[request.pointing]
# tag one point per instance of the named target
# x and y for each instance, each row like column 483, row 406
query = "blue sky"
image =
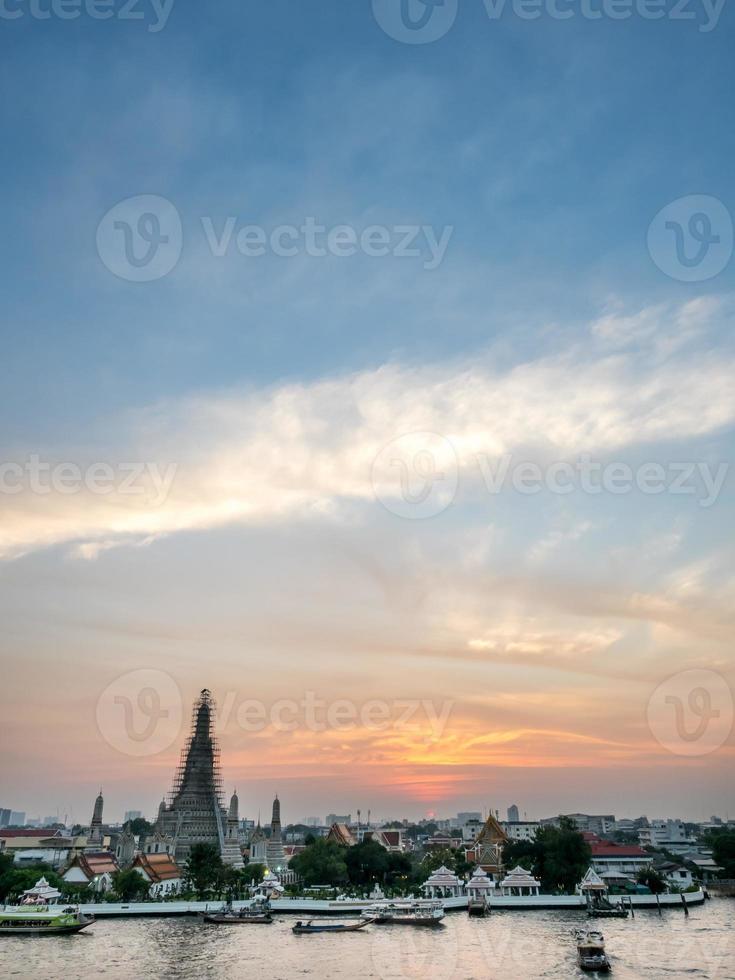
column 548, row 147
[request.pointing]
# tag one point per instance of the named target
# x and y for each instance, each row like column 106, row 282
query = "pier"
column 304, row 906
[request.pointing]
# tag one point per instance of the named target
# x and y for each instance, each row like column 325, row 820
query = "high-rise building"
column 194, row 814
column 5, row 818
column 513, row 813
column 17, row 818
column 337, row 818
column 132, row 815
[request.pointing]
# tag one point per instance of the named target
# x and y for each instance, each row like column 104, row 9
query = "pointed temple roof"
column 480, row 881
column 158, row 867
column 442, row 877
column 341, row 834
column 592, row 882
column 519, row 878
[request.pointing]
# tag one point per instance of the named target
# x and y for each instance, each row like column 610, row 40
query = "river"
column 526, row 945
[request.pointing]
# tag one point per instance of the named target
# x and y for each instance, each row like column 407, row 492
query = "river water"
column 526, row 945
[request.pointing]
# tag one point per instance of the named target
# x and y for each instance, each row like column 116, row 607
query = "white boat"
column 415, row 912
column 591, row 953
column 42, row 920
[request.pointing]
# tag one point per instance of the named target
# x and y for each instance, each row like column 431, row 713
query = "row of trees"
column 323, row 862
column 205, row 876
column 558, row 857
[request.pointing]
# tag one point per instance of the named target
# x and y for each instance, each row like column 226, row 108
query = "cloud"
column 307, row 450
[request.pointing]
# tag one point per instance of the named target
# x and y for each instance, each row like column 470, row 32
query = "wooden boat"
column 614, row 913
column 591, row 953
column 43, row 921
column 306, row 928
column 259, row 913
column 236, row 918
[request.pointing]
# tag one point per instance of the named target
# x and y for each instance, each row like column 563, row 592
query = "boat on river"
column 601, row 908
column 415, row 913
column 591, row 953
column 306, row 928
column 43, row 920
column 259, row 913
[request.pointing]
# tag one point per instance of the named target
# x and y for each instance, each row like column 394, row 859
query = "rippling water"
column 505, row 945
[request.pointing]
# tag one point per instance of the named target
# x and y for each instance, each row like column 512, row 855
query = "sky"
column 377, row 375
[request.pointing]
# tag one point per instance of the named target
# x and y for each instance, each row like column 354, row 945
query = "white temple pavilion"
column 443, row 883
column 41, row 892
column 270, row 886
column 480, row 886
column 591, row 882
column 520, row 882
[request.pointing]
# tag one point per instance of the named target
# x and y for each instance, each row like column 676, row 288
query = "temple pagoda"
column 194, row 814
column 487, row 849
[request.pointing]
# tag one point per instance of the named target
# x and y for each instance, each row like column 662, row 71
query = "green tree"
column 140, row 826
column 558, row 856
column 528, row 854
column 435, row 859
column 229, row 882
column 652, row 879
column 366, row 862
column 400, row 869
column 203, row 869
column 566, row 856
column 129, row 885
column 723, row 851
column 253, row 873
column 321, row 863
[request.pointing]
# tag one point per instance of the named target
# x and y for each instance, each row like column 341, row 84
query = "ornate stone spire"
column 276, row 857
column 95, row 828
column 276, row 819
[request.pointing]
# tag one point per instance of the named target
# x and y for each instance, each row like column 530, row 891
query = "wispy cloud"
column 304, row 450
